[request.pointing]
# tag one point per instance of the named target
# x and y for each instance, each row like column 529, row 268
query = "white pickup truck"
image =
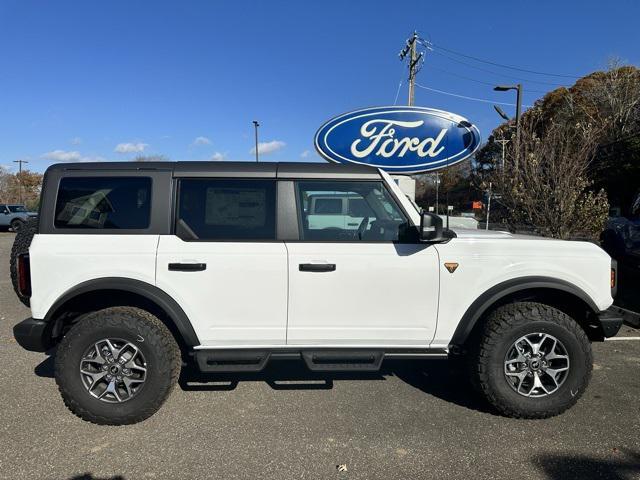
column 133, row 270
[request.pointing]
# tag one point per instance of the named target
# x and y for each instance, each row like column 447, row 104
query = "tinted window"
column 372, row 213
column 17, row 208
column 103, row 203
column 216, row 209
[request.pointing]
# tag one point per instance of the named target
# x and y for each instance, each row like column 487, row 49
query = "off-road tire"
column 134, row 325
column 17, row 224
column 502, row 328
column 21, row 244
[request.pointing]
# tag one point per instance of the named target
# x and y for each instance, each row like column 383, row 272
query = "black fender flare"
column 501, row 290
column 152, row 293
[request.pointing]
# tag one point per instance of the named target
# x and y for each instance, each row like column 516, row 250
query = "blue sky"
column 108, row 80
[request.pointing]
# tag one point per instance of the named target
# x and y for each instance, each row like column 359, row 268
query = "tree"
column 22, row 187
column 588, row 135
column 549, row 187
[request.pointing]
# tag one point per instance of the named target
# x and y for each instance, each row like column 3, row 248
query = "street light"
column 501, row 112
column 518, row 89
column 255, row 126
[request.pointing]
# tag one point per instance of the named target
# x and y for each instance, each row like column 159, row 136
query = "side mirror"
column 431, row 228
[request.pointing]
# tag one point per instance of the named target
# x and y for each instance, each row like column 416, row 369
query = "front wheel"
column 533, row 361
column 117, row 366
column 16, row 225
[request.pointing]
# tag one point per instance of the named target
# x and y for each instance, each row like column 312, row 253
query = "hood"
column 493, row 234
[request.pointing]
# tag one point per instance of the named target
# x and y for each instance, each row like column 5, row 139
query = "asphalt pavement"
column 413, row 420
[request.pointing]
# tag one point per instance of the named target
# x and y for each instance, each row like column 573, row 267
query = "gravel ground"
column 410, row 421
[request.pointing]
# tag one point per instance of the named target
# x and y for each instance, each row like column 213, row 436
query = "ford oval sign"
column 398, row 139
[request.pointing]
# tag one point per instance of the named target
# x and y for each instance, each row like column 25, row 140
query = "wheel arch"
column 554, row 292
column 107, row 292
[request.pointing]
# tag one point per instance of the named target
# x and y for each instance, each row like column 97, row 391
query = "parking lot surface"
column 412, row 420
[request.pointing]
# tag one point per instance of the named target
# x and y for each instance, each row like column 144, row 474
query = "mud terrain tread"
column 155, row 333
column 499, row 323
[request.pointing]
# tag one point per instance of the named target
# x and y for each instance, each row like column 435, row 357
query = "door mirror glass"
column 431, row 228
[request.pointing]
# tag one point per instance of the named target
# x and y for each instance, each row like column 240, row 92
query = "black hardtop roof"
column 229, row 169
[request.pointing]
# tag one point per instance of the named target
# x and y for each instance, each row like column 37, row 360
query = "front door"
column 224, row 266
column 369, row 284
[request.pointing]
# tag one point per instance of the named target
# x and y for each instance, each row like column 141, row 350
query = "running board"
column 320, row 360
column 231, row 360
column 343, row 360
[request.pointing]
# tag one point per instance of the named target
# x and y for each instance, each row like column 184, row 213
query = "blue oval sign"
column 398, row 139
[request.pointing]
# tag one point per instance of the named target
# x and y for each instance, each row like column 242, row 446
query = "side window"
column 371, row 214
column 103, row 203
column 227, row 209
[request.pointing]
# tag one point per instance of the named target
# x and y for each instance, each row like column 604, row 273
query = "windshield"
column 17, row 208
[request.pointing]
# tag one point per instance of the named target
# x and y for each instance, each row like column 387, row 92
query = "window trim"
column 380, row 181
column 176, row 209
column 160, row 198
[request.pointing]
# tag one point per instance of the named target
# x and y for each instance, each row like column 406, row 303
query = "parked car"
column 621, row 239
column 14, row 215
column 132, row 272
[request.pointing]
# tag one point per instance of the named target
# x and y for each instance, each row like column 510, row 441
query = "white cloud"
column 218, row 157
column 62, row 156
column 76, row 141
column 200, row 141
column 72, row 156
column 131, row 147
column 264, row 148
column 305, row 154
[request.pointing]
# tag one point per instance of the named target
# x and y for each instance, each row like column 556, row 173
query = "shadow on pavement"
column 441, row 379
column 88, row 476
column 445, row 380
column 561, row 467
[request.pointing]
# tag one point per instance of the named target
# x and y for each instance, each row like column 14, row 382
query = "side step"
column 343, row 360
column 232, row 360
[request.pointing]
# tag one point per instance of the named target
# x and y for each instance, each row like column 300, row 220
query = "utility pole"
column 410, row 49
column 518, row 89
column 503, row 142
column 437, row 192
column 518, row 108
column 20, row 162
column 256, row 125
column 488, row 208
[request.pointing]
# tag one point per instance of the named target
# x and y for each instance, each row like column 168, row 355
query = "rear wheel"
column 532, row 361
column 117, row 366
column 16, row 224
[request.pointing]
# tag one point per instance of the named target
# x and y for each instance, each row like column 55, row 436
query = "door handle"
column 317, row 267
column 187, row 267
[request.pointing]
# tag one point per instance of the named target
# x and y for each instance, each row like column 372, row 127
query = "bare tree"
column 5, row 182
column 549, row 189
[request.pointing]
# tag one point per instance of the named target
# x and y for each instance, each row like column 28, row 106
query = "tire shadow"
column 625, row 465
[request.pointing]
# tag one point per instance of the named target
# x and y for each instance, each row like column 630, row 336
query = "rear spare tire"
column 21, row 244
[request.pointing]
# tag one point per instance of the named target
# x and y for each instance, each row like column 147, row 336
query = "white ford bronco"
column 133, row 270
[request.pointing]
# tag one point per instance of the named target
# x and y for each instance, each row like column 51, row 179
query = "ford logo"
column 398, row 139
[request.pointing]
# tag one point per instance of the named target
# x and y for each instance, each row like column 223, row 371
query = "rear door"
column 224, row 265
column 372, row 285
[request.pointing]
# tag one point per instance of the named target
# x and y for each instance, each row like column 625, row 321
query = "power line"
column 475, row 99
column 502, row 65
column 497, row 73
column 479, row 81
column 397, row 92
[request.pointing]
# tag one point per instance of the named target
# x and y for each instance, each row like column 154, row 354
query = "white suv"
column 135, row 269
